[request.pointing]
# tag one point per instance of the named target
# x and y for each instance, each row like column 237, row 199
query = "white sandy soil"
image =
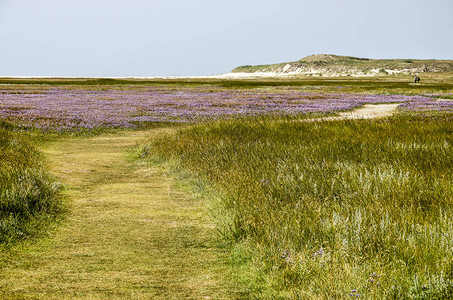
column 369, row 111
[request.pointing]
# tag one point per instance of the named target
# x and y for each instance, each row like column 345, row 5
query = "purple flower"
column 60, row 109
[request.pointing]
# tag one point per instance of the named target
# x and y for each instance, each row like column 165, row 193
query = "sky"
column 141, row 38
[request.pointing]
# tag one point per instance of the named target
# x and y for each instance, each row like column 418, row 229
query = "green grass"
column 130, row 233
column 431, row 83
column 319, row 209
column 307, row 209
column 29, row 196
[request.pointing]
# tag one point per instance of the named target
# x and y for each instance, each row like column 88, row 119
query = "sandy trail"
column 130, row 234
column 369, row 111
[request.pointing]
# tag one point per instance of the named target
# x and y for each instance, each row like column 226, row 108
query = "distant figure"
column 417, row 79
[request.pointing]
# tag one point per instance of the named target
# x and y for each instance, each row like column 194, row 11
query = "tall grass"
column 331, row 209
column 29, row 196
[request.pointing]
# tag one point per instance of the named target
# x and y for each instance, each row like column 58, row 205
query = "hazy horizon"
column 101, row 38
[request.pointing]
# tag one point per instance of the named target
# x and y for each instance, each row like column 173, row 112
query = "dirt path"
column 369, row 111
column 129, row 235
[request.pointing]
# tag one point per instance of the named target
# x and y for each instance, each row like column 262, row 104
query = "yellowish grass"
column 129, row 233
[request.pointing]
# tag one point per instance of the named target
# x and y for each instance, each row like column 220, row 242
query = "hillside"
column 335, row 65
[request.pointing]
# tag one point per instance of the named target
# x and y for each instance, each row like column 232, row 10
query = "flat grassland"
column 129, row 234
column 235, row 189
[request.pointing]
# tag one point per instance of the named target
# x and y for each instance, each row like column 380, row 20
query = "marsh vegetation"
column 322, row 206
column 29, row 196
column 303, row 208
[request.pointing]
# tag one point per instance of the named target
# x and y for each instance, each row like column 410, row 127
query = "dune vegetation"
column 337, row 65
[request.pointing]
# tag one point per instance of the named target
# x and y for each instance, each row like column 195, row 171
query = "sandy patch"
column 369, row 111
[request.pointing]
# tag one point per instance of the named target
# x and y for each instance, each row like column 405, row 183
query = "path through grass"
column 129, row 233
column 370, row 111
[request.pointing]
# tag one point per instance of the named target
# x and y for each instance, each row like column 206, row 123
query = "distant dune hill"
column 336, row 65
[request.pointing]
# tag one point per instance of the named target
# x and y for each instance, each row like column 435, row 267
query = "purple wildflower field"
column 60, row 109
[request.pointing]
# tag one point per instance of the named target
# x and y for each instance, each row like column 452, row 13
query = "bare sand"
column 369, row 111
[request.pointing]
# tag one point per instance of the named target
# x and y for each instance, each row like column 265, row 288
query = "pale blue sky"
column 203, row 37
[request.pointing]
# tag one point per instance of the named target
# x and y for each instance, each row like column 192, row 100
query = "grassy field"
column 267, row 203
column 129, row 233
column 328, row 209
column 396, row 84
